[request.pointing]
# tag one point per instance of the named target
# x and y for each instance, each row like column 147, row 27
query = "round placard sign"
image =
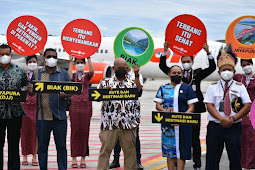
column 135, row 45
column 81, row 38
column 241, row 35
column 27, row 35
column 186, row 35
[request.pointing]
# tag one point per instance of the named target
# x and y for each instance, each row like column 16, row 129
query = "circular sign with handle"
column 241, row 35
column 27, row 35
column 135, row 45
column 81, row 38
column 186, row 35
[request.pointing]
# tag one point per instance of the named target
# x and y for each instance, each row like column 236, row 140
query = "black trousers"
column 13, row 136
column 117, row 148
column 196, row 146
column 216, row 137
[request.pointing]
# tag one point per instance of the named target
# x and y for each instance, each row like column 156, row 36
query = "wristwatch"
column 137, row 75
column 234, row 118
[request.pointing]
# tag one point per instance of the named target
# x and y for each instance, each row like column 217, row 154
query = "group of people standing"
column 120, row 119
column 227, row 102
column 44, row 112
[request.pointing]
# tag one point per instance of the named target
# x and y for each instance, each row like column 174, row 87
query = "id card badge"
column 194, row 87
column 221, row 108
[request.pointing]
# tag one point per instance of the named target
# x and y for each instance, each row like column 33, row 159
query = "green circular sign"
column 135, row 45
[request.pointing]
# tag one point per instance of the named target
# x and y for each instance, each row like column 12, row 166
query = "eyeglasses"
column 51, row 56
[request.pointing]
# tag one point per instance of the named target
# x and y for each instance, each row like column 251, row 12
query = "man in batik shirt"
column 119, row 119
column 12, row 78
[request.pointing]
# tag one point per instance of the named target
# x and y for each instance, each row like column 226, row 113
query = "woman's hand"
column 170, row 109
column 71, row 57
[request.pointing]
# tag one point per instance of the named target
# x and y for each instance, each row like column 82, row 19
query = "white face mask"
column 5, row 59
column 247, row 69
column 226, row 75
column 187, row 66
column 51, row 62
column 32, row 66
column 80, row 67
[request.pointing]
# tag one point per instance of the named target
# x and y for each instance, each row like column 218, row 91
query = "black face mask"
column 176, row 79
column 121, row 73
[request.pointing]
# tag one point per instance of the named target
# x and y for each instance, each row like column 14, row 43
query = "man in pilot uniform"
column 224, row 125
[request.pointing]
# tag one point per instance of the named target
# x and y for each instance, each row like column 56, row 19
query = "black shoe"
column 196, row 168
column 114, row 164
column 139, row 166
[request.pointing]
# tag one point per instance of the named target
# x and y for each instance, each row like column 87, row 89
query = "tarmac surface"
column 150, row 137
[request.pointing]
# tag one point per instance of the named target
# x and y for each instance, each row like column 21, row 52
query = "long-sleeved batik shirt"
column 12, row 79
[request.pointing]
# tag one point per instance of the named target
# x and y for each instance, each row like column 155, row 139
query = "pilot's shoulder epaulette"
column 238, row 83
column 216, row 82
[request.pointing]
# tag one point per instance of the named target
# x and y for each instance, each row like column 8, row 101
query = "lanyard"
column 225, row 91
column 191, row 78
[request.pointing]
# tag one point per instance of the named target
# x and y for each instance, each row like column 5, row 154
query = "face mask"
column 5, row 59
column 187, row 66
column 32, row 66
column 51, row 62
column 121, row 73
column 227, row 75
column 247, row 69
column 80, row 67
column 176, row 79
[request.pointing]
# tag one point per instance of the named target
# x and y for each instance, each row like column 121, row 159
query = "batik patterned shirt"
column 119, row 114
column 13, row 79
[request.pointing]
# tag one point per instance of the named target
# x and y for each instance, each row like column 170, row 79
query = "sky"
column 112, row 16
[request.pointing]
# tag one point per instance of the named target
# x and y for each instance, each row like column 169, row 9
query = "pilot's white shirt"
column 215, row 94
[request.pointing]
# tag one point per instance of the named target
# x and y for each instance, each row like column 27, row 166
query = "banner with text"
column 241, row 35
column 114, row 94
column 27, row 35
column 135, row 45
column 81, row 38
column 186, row 35
column 13, row 96
column 176, row 118
column 57, row 87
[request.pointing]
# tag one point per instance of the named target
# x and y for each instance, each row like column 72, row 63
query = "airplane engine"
column 101, row 71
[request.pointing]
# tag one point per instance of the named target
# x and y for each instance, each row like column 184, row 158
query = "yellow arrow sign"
column 39, row 86
column 96, row 95
column 158, row 117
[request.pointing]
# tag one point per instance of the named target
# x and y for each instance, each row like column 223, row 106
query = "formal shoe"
column 114, row 164
column 139, row 166
column 83, row 166
column 196, row 168
column 34, row 163
column 74, row 165
column 24, row 163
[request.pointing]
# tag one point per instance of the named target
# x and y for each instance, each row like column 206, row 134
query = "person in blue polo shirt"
column 176, row 96
column 51, row 111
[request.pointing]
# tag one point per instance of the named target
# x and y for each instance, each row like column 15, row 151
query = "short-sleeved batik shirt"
column 122, row 114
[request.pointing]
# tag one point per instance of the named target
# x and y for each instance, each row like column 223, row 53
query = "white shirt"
column 215, row 94
column 30, row 74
